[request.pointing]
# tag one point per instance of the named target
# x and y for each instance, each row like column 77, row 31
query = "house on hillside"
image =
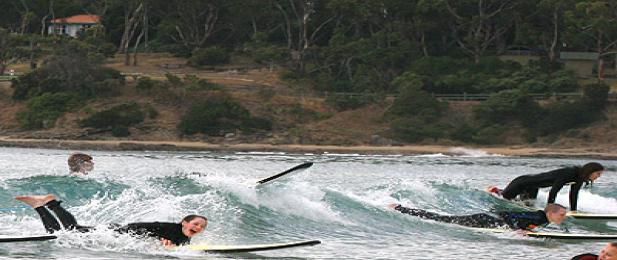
column 585, row 64
column 72, row 25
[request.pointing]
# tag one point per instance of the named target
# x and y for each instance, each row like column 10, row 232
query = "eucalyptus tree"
column 592, row 26
column 478, row 24
column 304, row 21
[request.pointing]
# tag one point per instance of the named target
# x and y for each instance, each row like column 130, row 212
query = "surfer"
column 609, row 252
column 526, row 186
column 527, row 220
column 169, row 233
column 80, row 163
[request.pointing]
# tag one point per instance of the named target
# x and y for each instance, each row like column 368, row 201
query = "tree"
column 595, row 20
column 191, row 23
column 9, row 50
column 301, row 27
column 478, row 24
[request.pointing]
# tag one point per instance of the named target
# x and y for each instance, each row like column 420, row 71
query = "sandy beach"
column 592, row 152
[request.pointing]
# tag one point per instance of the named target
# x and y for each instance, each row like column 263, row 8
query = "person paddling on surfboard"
column 609, row 252
column 526, row 186
column 527, row 220
column 169, row 233
column 80, row 163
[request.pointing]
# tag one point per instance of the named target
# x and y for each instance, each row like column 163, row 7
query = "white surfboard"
column 250, row 248
column 598, row 216
column 554, row 235
column 577, row 215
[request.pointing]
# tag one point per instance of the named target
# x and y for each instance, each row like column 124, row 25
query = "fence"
column 612, row 97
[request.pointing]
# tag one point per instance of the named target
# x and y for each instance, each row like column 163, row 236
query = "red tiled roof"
column 80, row 18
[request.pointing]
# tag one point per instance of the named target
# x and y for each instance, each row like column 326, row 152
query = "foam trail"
column 467, row 152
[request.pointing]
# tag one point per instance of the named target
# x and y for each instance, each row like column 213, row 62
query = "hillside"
column 300, row 117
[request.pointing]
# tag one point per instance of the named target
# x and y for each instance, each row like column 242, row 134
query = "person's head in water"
column 609, row 252
column 193, row 225
column 80, row 163
column 555, row 213
column 591, row 171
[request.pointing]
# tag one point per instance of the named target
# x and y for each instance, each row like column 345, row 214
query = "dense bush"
column 214, row 116
column 65, row 72
column 209, row 56
column 173, row 80
column 412, row 101
column 145, row 84
column 202, row 84
column 415, row 113
column 218, row 115
column 115, row 118
column 564, row 115
column 507, row 106
column 595, row 95
column 416, row 129
column 42, row 111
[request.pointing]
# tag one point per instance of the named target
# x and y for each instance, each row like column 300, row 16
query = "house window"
column 60, row 29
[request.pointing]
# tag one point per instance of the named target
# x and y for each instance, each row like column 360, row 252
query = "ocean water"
column 341, row 200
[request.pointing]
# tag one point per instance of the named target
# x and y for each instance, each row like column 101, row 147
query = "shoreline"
column 133, row 145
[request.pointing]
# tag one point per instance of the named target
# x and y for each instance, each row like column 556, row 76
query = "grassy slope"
column 318, row 124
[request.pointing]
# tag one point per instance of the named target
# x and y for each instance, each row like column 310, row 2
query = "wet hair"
column 589, row 168
column 76, row 159
column 553, row 208
column 613, row 244
column 192, row 216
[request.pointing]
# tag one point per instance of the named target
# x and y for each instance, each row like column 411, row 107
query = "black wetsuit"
column 527, row 185
column 515, row 220
column 170, row 231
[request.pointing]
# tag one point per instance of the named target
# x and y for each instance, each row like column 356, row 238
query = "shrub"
column 490, row 135
column 561, row 116
column 202, row 84
column 595, row 95
column 463, row 132
column 348, row 101
column 173, row 80
column 414, row 129
column 507, row 106
column 42, row 111
column 145, row 83
column 151, row 112
column 65, row 72
column 117, row 117
column 214, row 116
column 413, row 101
column 270, row 54
column 209, row 56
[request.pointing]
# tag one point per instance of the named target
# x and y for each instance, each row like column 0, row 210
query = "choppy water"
column 340, row 201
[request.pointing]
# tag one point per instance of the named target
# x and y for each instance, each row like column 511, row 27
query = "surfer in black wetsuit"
column 553, row 213
column 169, row 233
column 526, row 186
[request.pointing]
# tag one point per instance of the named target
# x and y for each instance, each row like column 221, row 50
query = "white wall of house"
column 66, row 29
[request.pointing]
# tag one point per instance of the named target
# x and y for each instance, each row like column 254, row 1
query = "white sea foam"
column 468, row 152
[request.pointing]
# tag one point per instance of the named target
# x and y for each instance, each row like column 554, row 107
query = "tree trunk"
column 141, row 34
column 131, row 20
column 552, row 54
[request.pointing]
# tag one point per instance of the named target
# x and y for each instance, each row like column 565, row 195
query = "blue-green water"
column 341, row 201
